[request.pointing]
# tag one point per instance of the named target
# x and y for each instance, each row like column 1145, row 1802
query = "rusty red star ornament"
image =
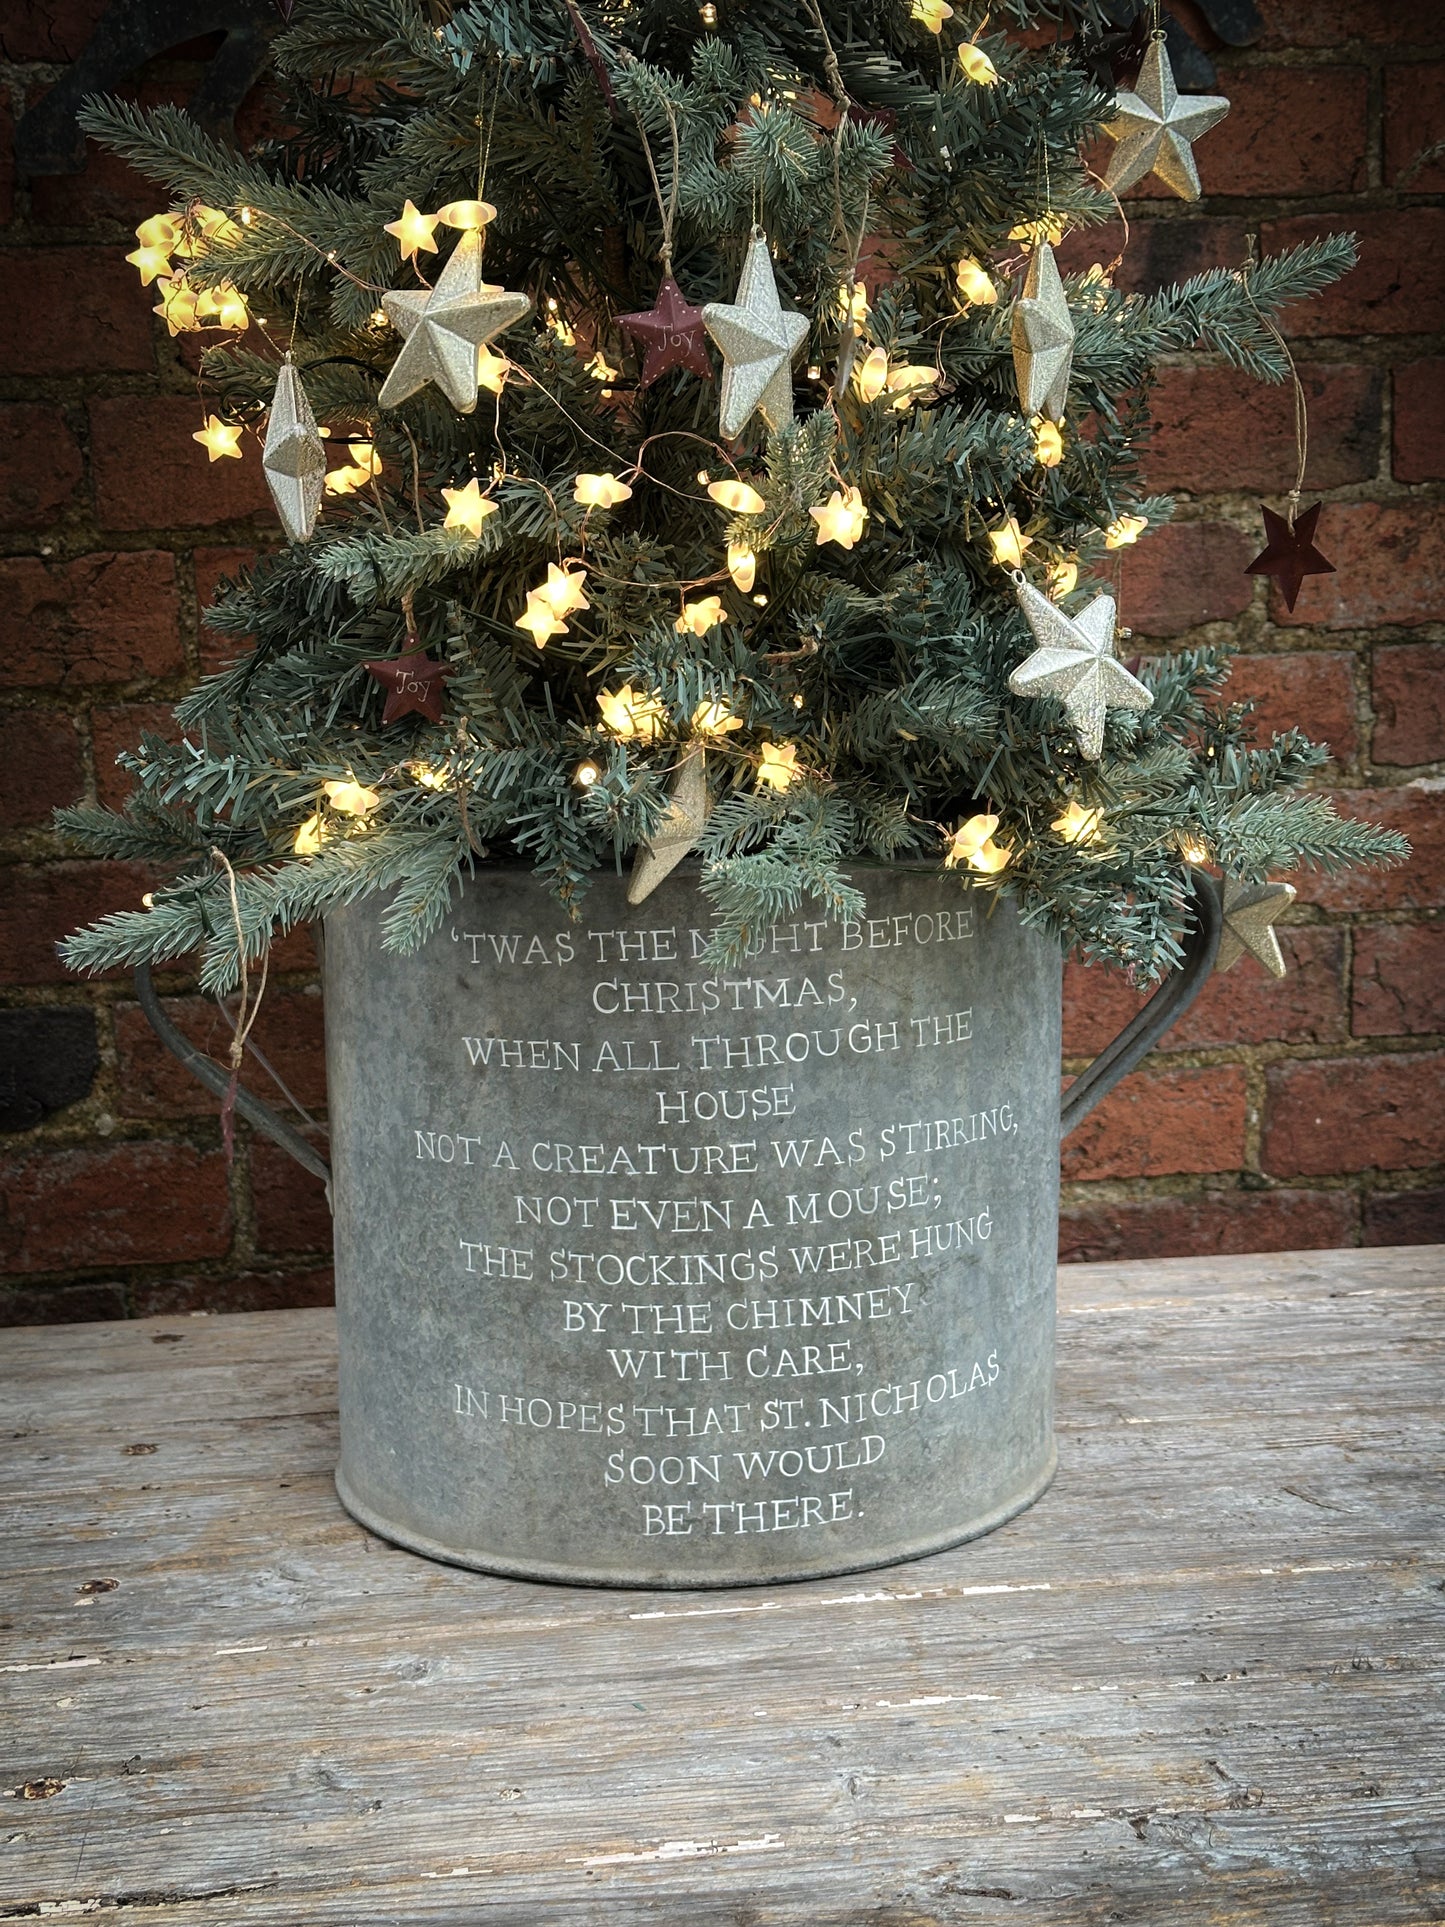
column 671, row 331
column 413, row 685
column 1289, row 554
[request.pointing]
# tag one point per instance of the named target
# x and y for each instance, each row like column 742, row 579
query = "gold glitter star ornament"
column 1154, row 127
column 1075, row 661
column 444, row 327
column 1249, row 913
column 294, row 458
column 679, row 830
column 1043, row 339
column 758, row 339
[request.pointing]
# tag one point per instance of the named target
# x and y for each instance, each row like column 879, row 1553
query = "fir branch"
column 382, row 568
column 143, row 833
column 1286, row 832
column 391, row 42
column 420, row 902
column 1218, row 310
column 887, row 664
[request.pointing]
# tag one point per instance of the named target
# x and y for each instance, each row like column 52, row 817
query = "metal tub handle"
column 215, row 1079
column 1169, row 1002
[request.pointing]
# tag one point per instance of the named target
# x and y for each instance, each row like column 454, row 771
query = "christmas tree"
column 726, row 464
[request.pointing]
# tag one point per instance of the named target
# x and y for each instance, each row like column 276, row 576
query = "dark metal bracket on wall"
column 128, row 34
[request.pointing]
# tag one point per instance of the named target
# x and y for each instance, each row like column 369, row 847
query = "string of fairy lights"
column 448, row 330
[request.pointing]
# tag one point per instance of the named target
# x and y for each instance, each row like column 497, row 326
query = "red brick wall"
column 1312, row 1111
column 1307, row 1113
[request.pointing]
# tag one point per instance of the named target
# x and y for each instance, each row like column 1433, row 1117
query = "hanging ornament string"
column 296, row 314
column 1301, row 408
column 266, row 334
column 263, row 1062
column 670, row 333
column 1046, row 218
column 852, row 245
column 247, row 1010
column 850, row 283
column 486, row 122
column 666, row 206
column 484, row 136
column 1289, row 554
column 415, row 476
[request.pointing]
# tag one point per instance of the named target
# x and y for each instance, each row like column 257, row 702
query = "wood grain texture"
column 1199, row 1683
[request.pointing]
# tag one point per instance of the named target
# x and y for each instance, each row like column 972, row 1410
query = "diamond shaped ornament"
column 1043, row 339
column 294, row 457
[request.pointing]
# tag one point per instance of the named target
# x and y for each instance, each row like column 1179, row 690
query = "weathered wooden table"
column 1199, row 1682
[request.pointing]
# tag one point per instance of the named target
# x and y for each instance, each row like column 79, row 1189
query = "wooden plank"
column 1199, row 1683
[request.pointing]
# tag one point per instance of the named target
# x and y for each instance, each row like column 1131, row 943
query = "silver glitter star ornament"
column 444, row 326
column 294, row 458
column 1153, row 128
column 686, row 819
column 1249, row 913
column 758, row 338
column 1043, row 339
column 1075, row 661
